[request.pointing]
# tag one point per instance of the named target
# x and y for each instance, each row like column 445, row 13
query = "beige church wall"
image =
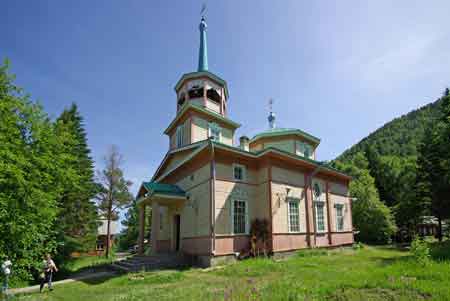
column 227, row 136
column 339, row 189
column 213, row 106
column 187, row 134
column 339, row 239
column 196, row 245
column 231, row 244
column 199, row 129
column 322, row 240
column 195, row 213
column 286, row 242
column 224, row 171
column 226, row 192
column 288, row 176
column 196, row 177
column 262, row 209
column 262, row 175
column 164, row 231
column 285, row 145
column 280, row 207
column 339, row 199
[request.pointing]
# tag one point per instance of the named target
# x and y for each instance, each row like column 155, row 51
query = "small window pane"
column 320, row 217
column 339, row 218
column 294, row 220
column 239, row 217
column 238, row 172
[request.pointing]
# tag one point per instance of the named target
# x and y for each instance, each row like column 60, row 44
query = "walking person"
column 48, row 268
column 6, row 271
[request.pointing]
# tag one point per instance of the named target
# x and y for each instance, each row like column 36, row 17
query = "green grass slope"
column 371, row 273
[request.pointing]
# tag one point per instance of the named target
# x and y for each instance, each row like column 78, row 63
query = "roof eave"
column 292, row 132
column 187, row 106
column 195, row 74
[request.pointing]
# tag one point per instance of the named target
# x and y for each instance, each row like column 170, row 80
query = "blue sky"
column 338, row 70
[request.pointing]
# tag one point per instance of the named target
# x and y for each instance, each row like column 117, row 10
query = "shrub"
column 420, row 251
column 358, row 246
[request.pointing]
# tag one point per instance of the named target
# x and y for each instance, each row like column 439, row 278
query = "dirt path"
column 34, row 288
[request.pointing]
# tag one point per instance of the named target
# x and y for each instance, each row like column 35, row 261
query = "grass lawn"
column 82, row 263
column 372, row 273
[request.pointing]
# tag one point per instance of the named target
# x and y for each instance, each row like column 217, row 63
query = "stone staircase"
column 150, row 262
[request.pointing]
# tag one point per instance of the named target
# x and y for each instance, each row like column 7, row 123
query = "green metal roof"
column 170, row 189
column 285, row 131
column 203, row 110
column 316, row 163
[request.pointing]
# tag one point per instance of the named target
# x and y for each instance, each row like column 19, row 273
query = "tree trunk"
column 440, row 228
column 108, row 230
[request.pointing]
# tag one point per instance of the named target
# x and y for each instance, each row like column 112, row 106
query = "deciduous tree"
column 114, row 190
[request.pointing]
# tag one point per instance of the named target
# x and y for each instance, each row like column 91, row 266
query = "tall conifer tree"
column 78, row 214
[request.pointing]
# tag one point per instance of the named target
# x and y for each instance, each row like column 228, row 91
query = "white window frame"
column 179, row 136
column 289, row 215
column 341, row 207
column 322, row 205
column 212, row 126
column 247, row 228
column 319, row 202
column 243, row 173
column 301, row 148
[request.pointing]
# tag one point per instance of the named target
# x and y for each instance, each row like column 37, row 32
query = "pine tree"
column 77, row 219
column 433, row 180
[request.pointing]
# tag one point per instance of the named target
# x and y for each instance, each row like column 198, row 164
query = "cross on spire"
column 271, row 117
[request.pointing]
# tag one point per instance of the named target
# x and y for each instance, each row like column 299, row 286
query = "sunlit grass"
column 371, row 273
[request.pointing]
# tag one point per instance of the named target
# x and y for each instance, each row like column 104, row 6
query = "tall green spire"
column 203, row 53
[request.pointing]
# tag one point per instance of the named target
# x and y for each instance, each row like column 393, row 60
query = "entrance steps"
column 150, row 263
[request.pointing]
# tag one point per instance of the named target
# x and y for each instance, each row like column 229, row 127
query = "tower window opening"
column 196, row 92
column 181, row 100
column 213, row 95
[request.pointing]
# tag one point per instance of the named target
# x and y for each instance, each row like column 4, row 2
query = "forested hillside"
column 394, row 188
column 399, row 137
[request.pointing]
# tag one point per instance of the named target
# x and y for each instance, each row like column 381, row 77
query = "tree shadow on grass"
column 440, row 251
column 116, row 274
column 383, row 261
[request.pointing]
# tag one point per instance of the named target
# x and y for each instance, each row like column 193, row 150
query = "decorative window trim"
column 341, row 207
column 212, row 126
column 246, row 215
column 244, row 172
column 289, row 202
